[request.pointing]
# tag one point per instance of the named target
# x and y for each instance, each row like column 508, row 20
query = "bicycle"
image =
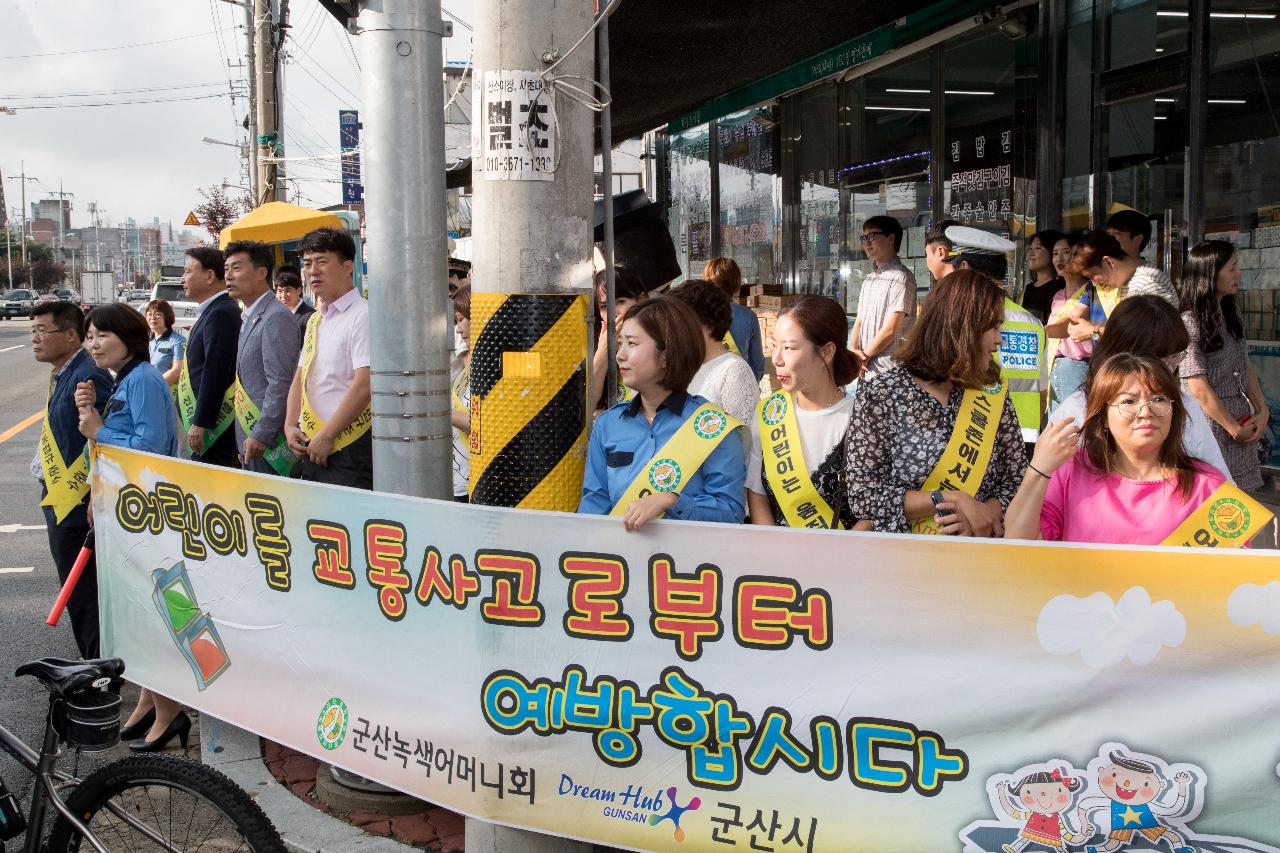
column 143, row 802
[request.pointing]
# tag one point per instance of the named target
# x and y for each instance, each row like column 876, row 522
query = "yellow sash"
column 277, row 454
column 785, row 469
column 968, row 453
column 681, row 456
column 66, row 487
column 309, row 421
column 1228, row 518
column 187, row 407
column 455, row 395
column 731, row 345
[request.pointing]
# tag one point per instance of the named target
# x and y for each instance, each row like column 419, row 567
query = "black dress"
column 1038, row 298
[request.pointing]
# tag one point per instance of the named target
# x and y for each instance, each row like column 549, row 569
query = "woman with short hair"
column 665, row 451
column 723, row 378
column 1217, row 370
column 1132, row 482
column 1045, row 282
column 934, row 444
column 743, row 337
column 167, row 345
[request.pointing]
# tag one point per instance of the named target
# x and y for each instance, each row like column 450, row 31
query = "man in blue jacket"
column 60, row 466
column 205, row 392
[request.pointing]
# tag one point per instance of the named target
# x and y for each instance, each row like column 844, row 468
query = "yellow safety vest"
column 681, row 456
column 965, row 460
column 309, row 421
column 785, row 469
column 1022, row 347
column 1228, row 518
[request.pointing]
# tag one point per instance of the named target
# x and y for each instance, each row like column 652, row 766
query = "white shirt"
column 820, row 431
column 248, row 309
column 203, row 305
column 727, row 381
column 1197, row 437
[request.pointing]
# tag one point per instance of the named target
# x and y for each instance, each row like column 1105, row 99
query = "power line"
column 115, row 47
column 116, row 103
column 303, row 68
column 102, row 92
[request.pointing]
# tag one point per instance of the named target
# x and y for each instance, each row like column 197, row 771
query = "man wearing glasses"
column 57, row 339
column 887, row 304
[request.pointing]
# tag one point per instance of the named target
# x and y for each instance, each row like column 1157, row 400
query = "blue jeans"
column 1066, row 378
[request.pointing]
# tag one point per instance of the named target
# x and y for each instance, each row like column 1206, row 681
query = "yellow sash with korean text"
column 731, row 345
column 785, row 469
column 309, row 421
column 277, row 454
column 1228, row 518
column 187, row 407
column 968, row 453
column 681, row 456
column 66, row 487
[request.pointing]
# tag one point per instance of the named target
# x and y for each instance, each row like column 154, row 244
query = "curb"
column 238, row 754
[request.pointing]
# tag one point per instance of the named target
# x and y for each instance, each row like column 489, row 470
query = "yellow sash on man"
column 681, row 456
column 1228, row 518
column 309, row 421
column 277, row 454
column 968, row 453
column 731, row 345
column 785, row 469
column 187, row 408
column 66, row 487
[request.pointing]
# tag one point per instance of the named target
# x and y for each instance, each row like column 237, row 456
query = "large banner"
column 700, row 687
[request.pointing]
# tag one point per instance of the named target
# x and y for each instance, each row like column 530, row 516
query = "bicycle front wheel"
column 155, row 803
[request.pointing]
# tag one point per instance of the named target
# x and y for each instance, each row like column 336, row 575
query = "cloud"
column 1105, row 633
column 1251, row 604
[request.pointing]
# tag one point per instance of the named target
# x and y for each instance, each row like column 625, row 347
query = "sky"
column 147, row 160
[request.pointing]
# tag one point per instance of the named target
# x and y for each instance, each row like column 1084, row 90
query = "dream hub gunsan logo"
column 632, row 804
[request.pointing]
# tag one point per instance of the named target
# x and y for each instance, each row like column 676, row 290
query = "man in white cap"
column 1022, row 343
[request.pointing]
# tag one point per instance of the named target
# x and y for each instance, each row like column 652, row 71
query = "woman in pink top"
column 1132, row 483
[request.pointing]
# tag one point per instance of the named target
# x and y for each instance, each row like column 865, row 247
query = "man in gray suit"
column 266, row 358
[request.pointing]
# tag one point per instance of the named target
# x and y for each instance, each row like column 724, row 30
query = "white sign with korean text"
column 514, row 136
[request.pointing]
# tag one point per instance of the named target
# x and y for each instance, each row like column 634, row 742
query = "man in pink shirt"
column 329, row 424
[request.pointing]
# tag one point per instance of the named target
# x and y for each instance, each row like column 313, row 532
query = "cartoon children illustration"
column 1131, row 788
column 1044, row 798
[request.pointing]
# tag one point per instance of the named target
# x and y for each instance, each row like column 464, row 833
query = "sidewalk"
column 282, row 782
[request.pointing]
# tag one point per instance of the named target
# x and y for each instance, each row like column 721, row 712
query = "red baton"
column 72, row 578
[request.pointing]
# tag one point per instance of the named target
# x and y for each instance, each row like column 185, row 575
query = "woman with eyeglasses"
column 167, row 346
column 1217, row 371
column 1148, row 325
column 1132, row 482
column 934, row 444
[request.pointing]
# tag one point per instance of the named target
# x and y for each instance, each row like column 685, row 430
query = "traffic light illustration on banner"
column 193, row 631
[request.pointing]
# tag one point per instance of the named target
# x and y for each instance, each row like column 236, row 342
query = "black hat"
column 641, row 241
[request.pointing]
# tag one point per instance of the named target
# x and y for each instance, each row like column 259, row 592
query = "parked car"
column 184, row 311
column 66, row 294
column 18, row 303
column 47, row 297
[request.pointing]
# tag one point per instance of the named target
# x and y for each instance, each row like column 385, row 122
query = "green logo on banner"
column 775, row 409
column 1229, row 518
column 331, row 725
column 709, row 424
column 664, row 475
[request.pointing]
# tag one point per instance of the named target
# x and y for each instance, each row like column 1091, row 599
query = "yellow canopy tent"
column 278, row 222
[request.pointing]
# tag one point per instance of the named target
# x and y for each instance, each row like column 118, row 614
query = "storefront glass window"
column 1142, row 30
column 988, row 164
column 1077, row 137
column 751, row 193
column 817, row 162
column 1242, row 160
column 890, row 134
column 689, row 205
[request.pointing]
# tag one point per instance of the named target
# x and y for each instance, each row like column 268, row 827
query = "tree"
column 46, row 274
column 35, row 251
column 221, row 208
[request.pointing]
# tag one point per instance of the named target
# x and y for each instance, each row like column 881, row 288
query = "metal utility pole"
column 408, row 281
column 532, row 227
column 263, row 70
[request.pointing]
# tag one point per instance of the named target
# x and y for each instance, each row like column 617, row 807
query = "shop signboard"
column 349, row 143
column 694, row 687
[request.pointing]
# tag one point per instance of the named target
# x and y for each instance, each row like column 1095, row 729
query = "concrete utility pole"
column 532, row 241
column 408, row 282
column 264, row 74
column 255, row 189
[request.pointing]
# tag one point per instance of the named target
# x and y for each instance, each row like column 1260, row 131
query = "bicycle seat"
column 64, row 677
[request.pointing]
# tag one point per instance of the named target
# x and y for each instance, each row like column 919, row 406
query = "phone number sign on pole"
column 517, row 129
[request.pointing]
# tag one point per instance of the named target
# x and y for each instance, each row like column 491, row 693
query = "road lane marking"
column 17, row 428
column 10, row 349
column 14, row 528
column 18, row 571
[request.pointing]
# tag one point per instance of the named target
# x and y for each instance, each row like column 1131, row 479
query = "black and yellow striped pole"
column 528, row 399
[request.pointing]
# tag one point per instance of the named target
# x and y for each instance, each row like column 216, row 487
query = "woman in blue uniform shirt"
column 659, row 351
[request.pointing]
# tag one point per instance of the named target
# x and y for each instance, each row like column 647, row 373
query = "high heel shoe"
column 128, row 733
column 180, row 727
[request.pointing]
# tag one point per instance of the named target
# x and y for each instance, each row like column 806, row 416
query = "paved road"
column 28, row 582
